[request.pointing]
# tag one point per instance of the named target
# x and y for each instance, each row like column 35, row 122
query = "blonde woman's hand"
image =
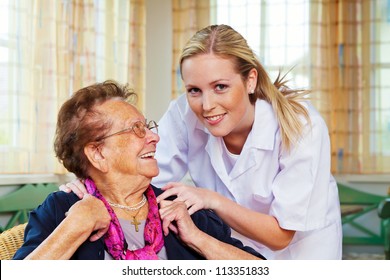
column 194, row 198
column 77, row 186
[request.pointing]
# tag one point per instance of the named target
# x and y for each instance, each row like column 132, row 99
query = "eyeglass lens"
column 140, row 128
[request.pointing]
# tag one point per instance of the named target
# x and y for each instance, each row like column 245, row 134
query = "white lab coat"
column 296, row 188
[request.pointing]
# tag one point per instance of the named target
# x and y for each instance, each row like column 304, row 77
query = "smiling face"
column 126, row 153
column 218, row 96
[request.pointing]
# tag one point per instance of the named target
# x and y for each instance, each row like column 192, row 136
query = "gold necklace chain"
column 134, row 207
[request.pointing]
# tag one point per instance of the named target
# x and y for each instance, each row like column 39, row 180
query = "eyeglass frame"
column 146, row 125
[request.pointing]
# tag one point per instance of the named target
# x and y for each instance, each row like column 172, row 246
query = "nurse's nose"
column 208, row 100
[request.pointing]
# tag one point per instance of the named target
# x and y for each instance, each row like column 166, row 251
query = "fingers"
column 165, row 225
column 169, row 190
column 165, row 195
column 181, row 197
column 76, row 186
column 182, row 191
column 99, row 234
column 193, row 208
column 173, row 228
column 171, row 185
column 174, row 216
column 64, row 188
column 165, row 209
column 79, row 187
column 87, row 196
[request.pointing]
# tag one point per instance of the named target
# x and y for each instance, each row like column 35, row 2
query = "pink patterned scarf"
column 114, row 238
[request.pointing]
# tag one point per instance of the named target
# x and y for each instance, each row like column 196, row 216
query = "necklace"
column 115, row 240
column 135, row 221
column 134, row 207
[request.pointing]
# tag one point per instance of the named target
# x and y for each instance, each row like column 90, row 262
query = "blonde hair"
column 223, row 40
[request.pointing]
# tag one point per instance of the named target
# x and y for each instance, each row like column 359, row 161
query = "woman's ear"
column 96, row 157
column 252, row 81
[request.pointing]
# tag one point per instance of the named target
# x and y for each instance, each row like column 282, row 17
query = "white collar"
column 265, row 126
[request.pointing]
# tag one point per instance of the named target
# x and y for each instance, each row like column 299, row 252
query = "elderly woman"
column 104, row 139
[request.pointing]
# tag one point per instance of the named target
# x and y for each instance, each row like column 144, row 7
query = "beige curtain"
column 346, row 82
column 52, row 49
column 188, row 17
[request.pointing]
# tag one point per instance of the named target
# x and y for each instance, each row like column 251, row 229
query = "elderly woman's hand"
column 194, row 198
column 176, row 218
column 91, row 214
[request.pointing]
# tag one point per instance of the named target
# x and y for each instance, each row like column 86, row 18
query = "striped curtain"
column 48, row 50
column 350, row 43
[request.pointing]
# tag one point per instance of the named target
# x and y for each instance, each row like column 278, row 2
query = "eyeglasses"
column 139, row 129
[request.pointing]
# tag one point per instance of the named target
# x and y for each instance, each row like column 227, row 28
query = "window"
column 4, row 104
column 278, row 32
column 380, row 76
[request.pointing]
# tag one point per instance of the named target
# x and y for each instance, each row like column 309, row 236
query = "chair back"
column 11, row 240
column 21, row 201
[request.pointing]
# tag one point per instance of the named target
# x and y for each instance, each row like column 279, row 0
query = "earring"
column 252, row 91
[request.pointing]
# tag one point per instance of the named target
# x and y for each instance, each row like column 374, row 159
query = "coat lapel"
column 214, row 149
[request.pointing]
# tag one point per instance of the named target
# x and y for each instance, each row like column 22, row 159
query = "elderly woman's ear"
column 95, row 155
